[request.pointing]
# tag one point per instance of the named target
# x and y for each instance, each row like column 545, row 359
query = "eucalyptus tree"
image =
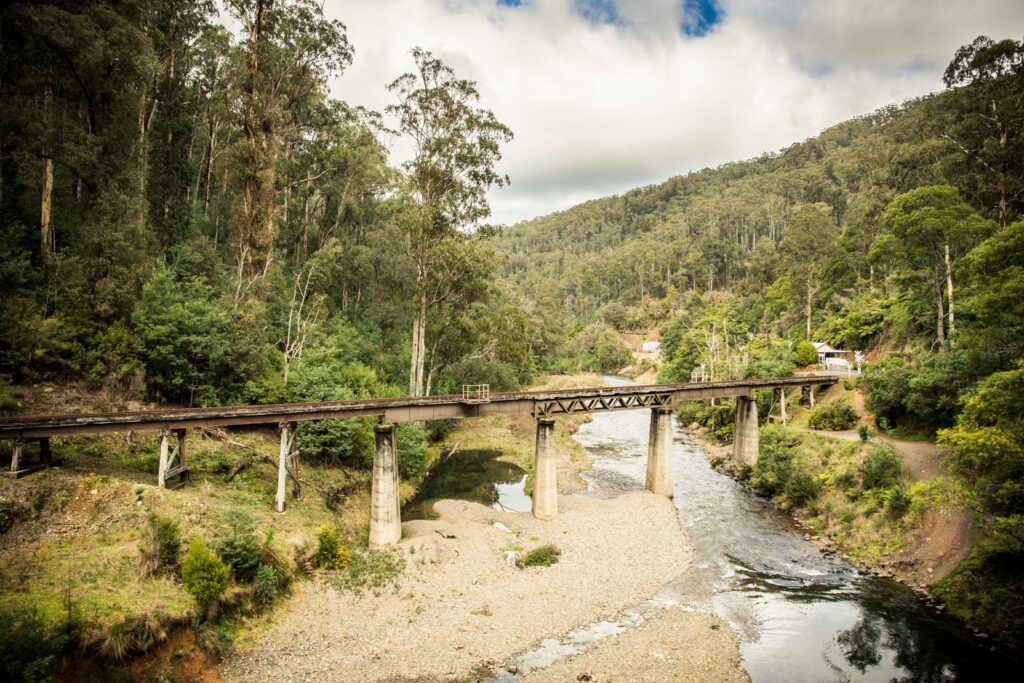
column 989, row 127
column 933, row 228
column 288, row 51
column 169, row 119
column 805, row 248
column 455, row 147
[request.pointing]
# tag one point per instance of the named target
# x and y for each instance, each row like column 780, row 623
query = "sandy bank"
column 461, row 607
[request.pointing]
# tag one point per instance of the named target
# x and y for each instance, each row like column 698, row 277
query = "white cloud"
column 598, row 109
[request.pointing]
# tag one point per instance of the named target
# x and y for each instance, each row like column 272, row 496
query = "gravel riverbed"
column 461, row 608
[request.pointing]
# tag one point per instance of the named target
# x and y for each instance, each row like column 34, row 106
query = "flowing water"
column 799, row 615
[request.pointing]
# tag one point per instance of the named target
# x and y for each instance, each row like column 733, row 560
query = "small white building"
column 836, row 360
column 651, row 347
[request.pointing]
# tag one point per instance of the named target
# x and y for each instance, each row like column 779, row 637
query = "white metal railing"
column 476, row 393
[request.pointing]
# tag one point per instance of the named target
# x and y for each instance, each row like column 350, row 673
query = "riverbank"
column 897, row 532
column 460, row 608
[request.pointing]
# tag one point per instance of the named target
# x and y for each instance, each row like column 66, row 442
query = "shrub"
column 135, row 633
column 331, row 552
column 898, row 502
column 542, row 556
column 272, row 556
column 215, row 640
column 411, row 442
column 208, row 356
column 27, row 648
column 864, row 432
column 162, row 547
column 888, row 383
column 373, row 569
column 204, row 575
column 805, row 354
column 265, row 591
column 241, row 549
column 882, row 468
column 779, row 452
column 802, row 488
column 835, row 416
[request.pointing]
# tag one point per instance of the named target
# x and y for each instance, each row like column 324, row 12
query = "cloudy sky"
column 607, row 95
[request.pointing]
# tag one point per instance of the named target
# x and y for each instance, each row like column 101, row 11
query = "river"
column 799, row 615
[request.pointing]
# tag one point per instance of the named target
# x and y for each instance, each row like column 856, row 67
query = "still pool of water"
column 476, row 475
column 799, row 615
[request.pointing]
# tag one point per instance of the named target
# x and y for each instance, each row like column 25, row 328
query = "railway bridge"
column 385, row 516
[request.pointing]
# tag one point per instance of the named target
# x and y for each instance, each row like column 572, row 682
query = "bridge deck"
column 403, row 409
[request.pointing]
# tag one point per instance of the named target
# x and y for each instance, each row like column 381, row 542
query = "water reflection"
column 475, row 475
column 800, row 615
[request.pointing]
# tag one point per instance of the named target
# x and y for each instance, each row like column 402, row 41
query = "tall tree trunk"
column 940, row 317
column 419, row 346
column 47, row 241
column 949, row 295
column 807, row 305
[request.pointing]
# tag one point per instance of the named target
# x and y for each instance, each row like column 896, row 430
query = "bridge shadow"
column 474, row 475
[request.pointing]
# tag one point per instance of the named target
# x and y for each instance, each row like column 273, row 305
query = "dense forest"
column 188, row 217
column 898, row 233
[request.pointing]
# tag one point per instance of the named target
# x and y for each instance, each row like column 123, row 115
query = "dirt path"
column 945, row 536
column 461, row 609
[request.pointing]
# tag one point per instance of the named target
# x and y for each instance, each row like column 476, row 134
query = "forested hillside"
column 187, row 216
column 898, row 233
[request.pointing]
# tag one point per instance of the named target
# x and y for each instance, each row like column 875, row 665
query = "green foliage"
column 882, row 468
column 802, row 488
column 864, row 432
column 768, row 357
column 28, row 648
column 921, row 392
column 266, row 590
column 133, row 634
column 205, row 576
column 778, row 461
column 805, row 354
column 994, row 295
column 241, row 550
column 985, row 590
column 372, row 569
column 898, row 502
column 987, row 449
column 331, row 552
column 835, row 416
column 161, row 549
column 411, row 442
column 888, row 382
column 189, row 342
column 541, row 556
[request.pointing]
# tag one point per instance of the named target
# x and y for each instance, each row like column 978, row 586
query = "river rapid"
column 799, row 615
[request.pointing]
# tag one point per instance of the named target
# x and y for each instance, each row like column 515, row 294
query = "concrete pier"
column 659, row 453
column 745, row 438
column 545, row 471
column 385, row 511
